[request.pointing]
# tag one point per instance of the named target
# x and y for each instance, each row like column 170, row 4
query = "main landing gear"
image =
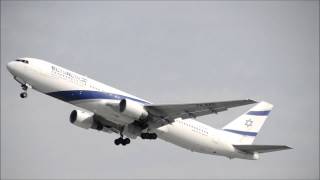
column 25, row 88
column 148, row 135
column 121, row 140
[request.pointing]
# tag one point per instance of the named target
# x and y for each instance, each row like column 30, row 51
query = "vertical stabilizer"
column 245, row 128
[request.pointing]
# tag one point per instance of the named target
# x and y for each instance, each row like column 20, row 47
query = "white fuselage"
column 54, row 80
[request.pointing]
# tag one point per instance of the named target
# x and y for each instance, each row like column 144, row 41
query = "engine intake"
column 132, row 109
column 82, row 119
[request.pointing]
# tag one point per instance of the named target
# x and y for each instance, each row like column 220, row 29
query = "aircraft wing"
column 167, row 113
column 261, row 148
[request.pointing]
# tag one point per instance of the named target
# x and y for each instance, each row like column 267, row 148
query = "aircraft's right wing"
column 261, row 148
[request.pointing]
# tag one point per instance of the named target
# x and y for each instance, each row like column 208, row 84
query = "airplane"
column 110, row 110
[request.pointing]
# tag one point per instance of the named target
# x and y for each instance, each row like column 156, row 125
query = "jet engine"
column 82, row 119
column 132, row 109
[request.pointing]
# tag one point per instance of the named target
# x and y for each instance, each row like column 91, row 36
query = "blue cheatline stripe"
column 246, row 133
column 259, row 113
column 85, row 94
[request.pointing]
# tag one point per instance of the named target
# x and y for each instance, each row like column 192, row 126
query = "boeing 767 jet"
column 110, row 110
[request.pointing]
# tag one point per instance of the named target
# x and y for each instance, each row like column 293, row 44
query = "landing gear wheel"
column 24, row 87
column 126, row 141
column 153, row 136
column 117, row 141
column 148, row 135
column 122, row 141
column 23, row 95
column 144, row 135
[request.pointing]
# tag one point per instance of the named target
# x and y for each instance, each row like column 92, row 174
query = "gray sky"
column 164, row 52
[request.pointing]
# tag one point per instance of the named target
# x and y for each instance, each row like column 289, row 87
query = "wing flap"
column 261, row 148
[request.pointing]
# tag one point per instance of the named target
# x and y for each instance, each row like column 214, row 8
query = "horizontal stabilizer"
column 261, row 148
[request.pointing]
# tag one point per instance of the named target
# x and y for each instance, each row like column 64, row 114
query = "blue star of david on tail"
column 248, row 123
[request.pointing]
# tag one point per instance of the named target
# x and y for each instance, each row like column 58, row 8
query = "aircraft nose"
column 11, row 67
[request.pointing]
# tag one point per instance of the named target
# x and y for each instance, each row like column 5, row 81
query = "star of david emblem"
column 248, row 123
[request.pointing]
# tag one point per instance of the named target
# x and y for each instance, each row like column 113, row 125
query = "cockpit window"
column 24, row 61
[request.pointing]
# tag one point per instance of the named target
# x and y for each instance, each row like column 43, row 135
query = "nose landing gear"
column 23, row 94
column 25, row 88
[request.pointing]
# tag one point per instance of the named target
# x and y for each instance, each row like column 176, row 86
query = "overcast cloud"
column 164, row 52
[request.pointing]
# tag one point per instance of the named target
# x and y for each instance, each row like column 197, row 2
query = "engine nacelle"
column 132, row 109
column 82, row 119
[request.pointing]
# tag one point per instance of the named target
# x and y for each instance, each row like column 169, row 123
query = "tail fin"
column 245, row 128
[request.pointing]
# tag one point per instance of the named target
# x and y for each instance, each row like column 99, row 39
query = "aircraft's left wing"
column 167, row 113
